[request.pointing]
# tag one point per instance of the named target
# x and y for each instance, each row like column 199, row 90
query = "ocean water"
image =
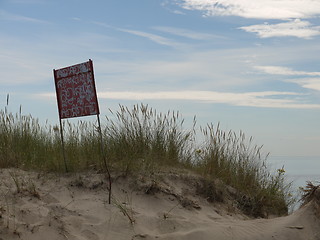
column 299, row 170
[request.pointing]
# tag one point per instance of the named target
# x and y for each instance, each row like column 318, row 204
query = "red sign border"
column 56, row 79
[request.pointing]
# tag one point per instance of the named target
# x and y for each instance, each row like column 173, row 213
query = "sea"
column 298, row 171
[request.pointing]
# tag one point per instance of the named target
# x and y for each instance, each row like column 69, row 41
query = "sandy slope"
column 75, row 207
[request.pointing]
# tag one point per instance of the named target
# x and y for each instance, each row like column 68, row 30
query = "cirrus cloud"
column 195, row 35
column 278, row 70
column 309, row 80
column 266, row 99
column 294, row 28
column 4, row 15
column 309, row 83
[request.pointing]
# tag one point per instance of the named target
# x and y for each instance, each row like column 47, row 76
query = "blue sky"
column 250, row 65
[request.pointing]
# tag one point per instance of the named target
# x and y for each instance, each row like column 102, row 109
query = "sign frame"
column 76, row 90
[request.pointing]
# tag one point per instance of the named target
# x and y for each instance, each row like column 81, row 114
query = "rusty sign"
column 76, row 91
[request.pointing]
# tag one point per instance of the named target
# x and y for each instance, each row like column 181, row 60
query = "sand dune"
column 45, row 206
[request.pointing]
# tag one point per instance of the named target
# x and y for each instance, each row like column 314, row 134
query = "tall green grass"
column 141, row 139
column 25, row 143
column 239, row 163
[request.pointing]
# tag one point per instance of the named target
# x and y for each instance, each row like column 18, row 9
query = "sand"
column 38, row 206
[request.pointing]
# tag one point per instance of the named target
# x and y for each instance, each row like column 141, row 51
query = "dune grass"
column 143, row 140
column 239, row 163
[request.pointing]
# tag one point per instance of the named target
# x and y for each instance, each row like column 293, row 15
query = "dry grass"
column 310, row 192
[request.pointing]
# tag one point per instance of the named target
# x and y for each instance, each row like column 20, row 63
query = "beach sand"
column 38, row 206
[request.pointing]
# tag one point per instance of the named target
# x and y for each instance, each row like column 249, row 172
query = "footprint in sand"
column 89, row 235
column 48, row 199
column 141, row 236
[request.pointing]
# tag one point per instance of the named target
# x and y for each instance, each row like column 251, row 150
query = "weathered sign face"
column 76, row 92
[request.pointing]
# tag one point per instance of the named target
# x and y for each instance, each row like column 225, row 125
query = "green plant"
column 141, row 139
column 239, row 163
column 24, row 142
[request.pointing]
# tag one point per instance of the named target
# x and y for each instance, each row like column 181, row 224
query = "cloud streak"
column 267, row 99
column 294, row 28
column 153, row 37
column 19, row 18
column 150, row 36
column 188, row 33
column 309, row 83
column 285, row 71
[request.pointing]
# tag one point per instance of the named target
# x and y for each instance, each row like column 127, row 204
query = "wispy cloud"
column 294, row 28
column 150, row 36
column 309, row 83
column 153, row 37
column 102, row 24
column 213, row 70
column 20, row 64
column 19, row 18
column 285, row 71
column 167, row 5
column 178, row 12
column 187, row 33
column 262, row 9
column 27, row 62
column 311, row 80
column 268, row 99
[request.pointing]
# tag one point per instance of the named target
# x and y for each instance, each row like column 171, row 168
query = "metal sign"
column 76, row 91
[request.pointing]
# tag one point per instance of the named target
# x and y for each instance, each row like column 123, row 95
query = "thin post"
column 63, row 148
column 104, row 158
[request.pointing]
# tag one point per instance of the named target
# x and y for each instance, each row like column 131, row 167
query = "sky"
column 248, row 65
